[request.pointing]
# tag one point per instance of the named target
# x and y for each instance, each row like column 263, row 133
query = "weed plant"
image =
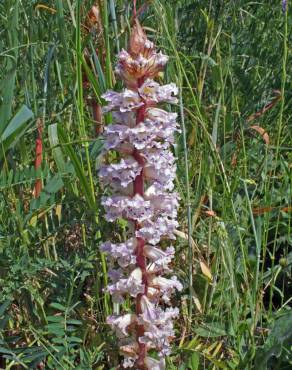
column 231, row 60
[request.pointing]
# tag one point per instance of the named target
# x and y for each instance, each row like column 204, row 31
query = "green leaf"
column 15, row 129
column 211, row 330
column 58, row 306
column 280, row 336
column 96, row 149
column 57, row 152
column 99, row 70
column 6, row 351
column 74, row 340
column 31, row 354
column 93, row 80
column 54, row 185
column 194, row 361
column 55, row 319
column 56, row 329
column 7, row 85
column 74, row 322
column 22, row 116
column 70, row 151
column 58, row 340
column 4, row 307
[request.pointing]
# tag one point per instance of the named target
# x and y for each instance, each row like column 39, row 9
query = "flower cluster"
column 141, row 183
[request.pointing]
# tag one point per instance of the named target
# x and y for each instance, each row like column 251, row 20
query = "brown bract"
column 139, row 44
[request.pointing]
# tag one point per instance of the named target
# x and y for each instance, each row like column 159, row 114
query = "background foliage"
column 232, row 63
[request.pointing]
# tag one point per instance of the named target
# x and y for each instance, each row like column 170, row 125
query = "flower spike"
column 141, row 183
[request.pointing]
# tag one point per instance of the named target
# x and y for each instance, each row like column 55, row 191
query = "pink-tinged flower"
column 129, row 351
column 163, row 132
column 163, row 203
column 160, row 167
column 165, row 122
column 153, row 93
column 150, row 313
column 153, row 364
column 151, row 134
column 125, row 172
column 125, row 118
column 142, row 136
column 146, row 135
column 154, row 231
column 159, row 338
column 115, row 274
column 125, row 101
column 132, row 286
column 115, row 136
column 124, row 253
column 121, row 323
column 131, row 69
column 159, row 259
column 117, row 188
column 129, row 361
column 159, row 158
column 158, row 326
column 166, row 286
column 160, row 115
column 153, row 294
column 169, row 314
column 135, row 208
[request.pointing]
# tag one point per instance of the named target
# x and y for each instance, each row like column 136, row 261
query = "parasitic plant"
column 142, row 183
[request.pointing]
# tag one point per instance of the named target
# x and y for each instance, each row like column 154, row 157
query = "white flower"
column 160, row 167
column 125, row 172
column 166, row 286
column 150, row 313
column 131, row 285
column 160, row 115
column 125, row 101
column 135, row 208
column 114, row 136
column 121, row 323
column 160, row 259
column 154, row 231
column 153, row 93
column 129, row 351
column 126, row 118
column 124, row 253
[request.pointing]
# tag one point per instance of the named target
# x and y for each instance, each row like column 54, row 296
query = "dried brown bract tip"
column 93, row 20
column 139, row 44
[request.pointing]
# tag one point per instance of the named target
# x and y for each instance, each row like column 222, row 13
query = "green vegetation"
column 232, row 63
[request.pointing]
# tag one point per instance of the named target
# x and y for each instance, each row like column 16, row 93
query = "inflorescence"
column 142, row 184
